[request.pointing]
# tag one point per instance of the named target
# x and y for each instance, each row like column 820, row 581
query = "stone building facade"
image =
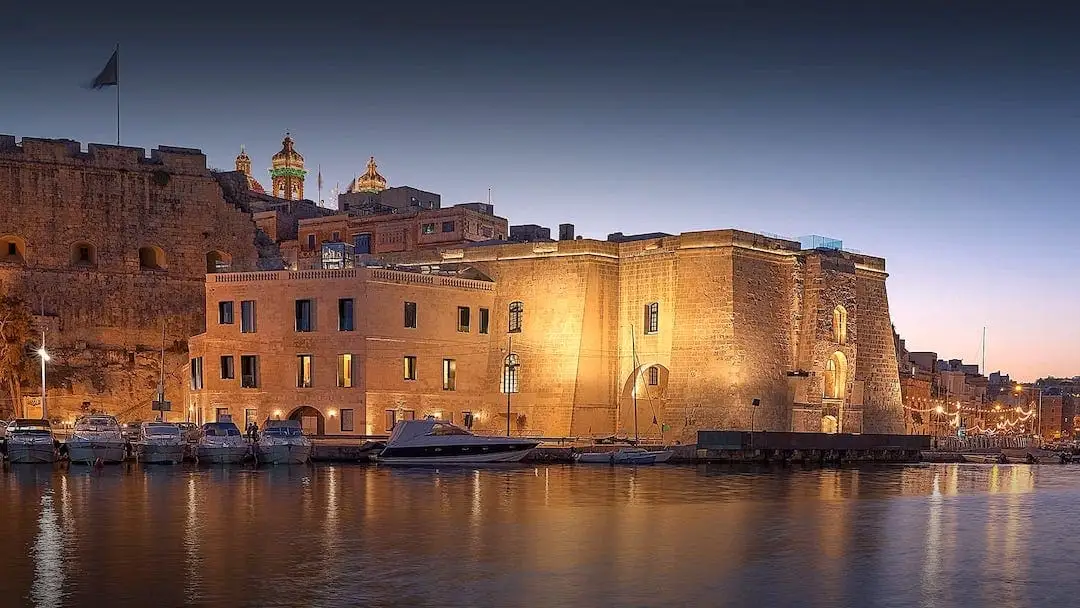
column 687, row 331
column 346, row 351
column 107, row 246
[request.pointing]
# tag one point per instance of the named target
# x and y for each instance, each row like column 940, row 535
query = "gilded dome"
column 370, row 181
column 243, row 164
column 288, row 157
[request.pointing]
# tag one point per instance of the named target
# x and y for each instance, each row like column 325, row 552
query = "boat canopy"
column 154, row 429
column 29, row 425
column 220, row 429
column 407, row 430
column 96, row 423
column 283, row 428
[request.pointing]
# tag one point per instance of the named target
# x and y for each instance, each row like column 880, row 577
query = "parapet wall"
column 174, row 160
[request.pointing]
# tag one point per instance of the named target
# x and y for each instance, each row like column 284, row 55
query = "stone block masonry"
column 113, row 244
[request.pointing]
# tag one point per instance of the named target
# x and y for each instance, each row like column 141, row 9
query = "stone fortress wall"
column 111, row 244
column 740, row 317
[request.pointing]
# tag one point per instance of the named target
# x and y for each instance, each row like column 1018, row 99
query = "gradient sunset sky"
column 943, row 138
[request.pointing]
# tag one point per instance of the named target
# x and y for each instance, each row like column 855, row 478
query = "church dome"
column 288, row 157
column 370, row 181
column 243, row 164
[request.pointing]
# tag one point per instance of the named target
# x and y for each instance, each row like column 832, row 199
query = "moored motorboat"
column 96, row 438
column 625, row 456
column 432, row 441
column 985, row 458
column 160, row 443
column 221, row 443
column 282, row 442
column 30, row 441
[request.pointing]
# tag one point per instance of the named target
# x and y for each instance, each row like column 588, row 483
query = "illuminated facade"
column 370, row 181
column 243, row 165
column 695, row 327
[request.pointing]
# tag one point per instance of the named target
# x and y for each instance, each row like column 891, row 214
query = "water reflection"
column 958, row 535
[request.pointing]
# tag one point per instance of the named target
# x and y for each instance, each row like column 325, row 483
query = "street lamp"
column 755, row 403
column 44, row 356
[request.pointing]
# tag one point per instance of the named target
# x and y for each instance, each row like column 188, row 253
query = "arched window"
column 83, row 254
column 13, row 249
column 517, row 310
column 151, row 258
column 218, row 261
column 835, row 376
column 839, row 325
column 511, row 367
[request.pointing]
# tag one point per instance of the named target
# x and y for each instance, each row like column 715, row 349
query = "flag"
column 110, row 76
column 320, row 177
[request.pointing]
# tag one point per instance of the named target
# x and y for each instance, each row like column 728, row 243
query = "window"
column 151, row 258
column 345, row 314
column 449, row 375
column 251, row 416
column 839, row 324
column 311, row 242
column 391, row 419
column 362, row 243
column 516, row 311
column 228, row 367
column 82, row 254
column 247, row 316
column 221, row 414
column 652, row 317
column 510, row 374
column 835, row 376
column 305, row 315
column 12, row 249
column 249, row 371
column 347, row 421
column 345, row 370
column 336, row 238
column 410, row 367
column 428, row 228
column 448, row 226
column 654, row 376
column 225, row 313
column 196, row 374
column 485, row 318
column 410, row 315
column 303, row 371
column 463, row 318
column 218, row 261
column 408, row 414
column 467, row 419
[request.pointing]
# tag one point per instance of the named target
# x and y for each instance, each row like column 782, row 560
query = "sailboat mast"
column 161, row 378
column 633, row 392
column 983, row 364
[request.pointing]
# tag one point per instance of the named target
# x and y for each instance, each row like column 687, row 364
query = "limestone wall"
column 107, row 312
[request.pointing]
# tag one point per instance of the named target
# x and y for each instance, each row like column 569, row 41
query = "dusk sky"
column 944, row 139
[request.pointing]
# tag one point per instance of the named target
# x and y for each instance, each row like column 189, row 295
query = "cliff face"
column 108, row 246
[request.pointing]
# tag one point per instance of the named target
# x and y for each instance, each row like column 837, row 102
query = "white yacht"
column 97, row 437
column 432, row 441
column 282, row 442
column 30, row 441
column 160, row 443
column 221, row 443
column 625, row 456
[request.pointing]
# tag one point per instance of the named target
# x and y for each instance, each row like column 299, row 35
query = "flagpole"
column 118, row 93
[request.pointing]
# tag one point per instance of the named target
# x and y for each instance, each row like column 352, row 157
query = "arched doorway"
column 647, row 384
column 218, row 261
column 833, row 393
column 310, row 419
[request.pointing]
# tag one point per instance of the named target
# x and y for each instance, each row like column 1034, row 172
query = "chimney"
column 566, row 232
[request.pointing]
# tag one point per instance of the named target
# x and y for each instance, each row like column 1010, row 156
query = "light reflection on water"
column 934, row 535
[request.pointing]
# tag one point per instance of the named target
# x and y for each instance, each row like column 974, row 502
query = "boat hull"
column 399, row 456
column 984, row 458
column 30, row 453
column 283, row 453
column 623, row 458
column 109, row 452
column 160, row 453
column 221, row 454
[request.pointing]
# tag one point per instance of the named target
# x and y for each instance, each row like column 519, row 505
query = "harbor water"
column 555, row 535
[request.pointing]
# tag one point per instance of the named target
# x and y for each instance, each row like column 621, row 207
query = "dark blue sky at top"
column 941, row 136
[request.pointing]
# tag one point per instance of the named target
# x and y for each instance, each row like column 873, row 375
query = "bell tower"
column 287, row 172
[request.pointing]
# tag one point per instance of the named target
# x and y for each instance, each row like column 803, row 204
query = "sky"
column 940, row 136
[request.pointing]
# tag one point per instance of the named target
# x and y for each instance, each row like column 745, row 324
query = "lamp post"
column 753, row 412
column 44, row 356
